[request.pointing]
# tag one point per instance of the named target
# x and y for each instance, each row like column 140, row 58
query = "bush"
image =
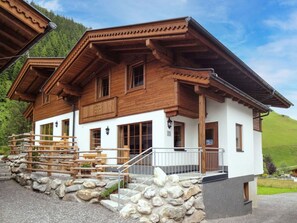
column 271, row 168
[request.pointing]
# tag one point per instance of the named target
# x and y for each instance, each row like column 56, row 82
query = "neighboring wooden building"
column 126, row 86
column 21, row 27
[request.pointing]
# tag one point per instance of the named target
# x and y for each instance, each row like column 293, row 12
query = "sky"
column 262, row 33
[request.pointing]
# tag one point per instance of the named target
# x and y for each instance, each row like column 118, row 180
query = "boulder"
column 175, row 191
column 163, row 193
column 60, row 191
column 173, row 178
column 135, row 198
column 157, row 201
column 189, row 203
column 144, row 220
column 144, row 207
column 73, row 188
column 68, row 183
column 186, row 184
column 160, row 177
column 175, row 202
column 71, row 197
column 149, row 192
column 154, row 218
column 128, row 210
column 198, row 203
column 175, row 213
column 190, row 211
column 87, row 194
column 196, row 217
column 43, row 180
column 39, row 187
column 89, row 184
column 191, row 191
column 55, row 183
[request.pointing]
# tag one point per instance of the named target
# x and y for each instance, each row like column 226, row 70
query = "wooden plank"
column 210, row 94
column 160, row 52
column 52, row 171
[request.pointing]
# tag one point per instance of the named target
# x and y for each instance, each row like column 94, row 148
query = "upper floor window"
column 45, row 98
column 102, row 86
column 239, row 137
column 136, row 75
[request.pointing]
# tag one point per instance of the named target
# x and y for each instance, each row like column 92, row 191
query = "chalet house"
column 167, row 84
column 21, row 27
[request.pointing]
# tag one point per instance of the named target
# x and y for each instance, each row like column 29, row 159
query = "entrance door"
column 212, row 144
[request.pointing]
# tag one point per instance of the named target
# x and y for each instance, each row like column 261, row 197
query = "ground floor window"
column 136, row 136
column 65, row 127
column 46, row 131
column 179, row 134
column 95, row 139
column 246, row 191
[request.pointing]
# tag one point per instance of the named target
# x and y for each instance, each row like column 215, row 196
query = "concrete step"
column 3, row 178
column 2, row 174
column 137, row 186
column 122, row 199
column 128, row 192
column 142, row 180
column 111, row 205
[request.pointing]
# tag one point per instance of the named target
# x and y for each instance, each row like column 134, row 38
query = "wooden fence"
column 60, row 154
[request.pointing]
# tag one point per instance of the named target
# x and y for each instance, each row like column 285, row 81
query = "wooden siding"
column 56, row 106
column 158, row 91
column 188, row 101
column 257, row 122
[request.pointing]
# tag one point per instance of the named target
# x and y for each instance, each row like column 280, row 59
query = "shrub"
column 271, row 168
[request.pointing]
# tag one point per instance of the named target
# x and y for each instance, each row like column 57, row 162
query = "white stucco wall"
column 239, row 163
column 258, row 155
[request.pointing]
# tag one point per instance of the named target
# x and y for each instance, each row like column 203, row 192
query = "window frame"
column 238, row 140
column 45, row 98
column 91, row 138
column 46, row 128
column 182, row 135
column 99, row 86
column 63, row 126
column 129, row 76
column 246, row 194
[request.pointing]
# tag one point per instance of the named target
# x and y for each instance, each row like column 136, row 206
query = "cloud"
column 52, row 5
column 290, row 24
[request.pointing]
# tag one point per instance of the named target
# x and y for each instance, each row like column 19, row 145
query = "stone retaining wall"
column 167, row 200
column 63, row 187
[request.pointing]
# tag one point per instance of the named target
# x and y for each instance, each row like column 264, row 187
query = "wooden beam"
column 25, row 97
column 201, row 117
column 38, row 73
column 208, row 93
column 69, row 90
column 102, row 55
column 160, row 52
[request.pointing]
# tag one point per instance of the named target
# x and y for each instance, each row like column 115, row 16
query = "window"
column 137, row 136
column 179, row 134
column 239, row 137
column 211, row 134
column 136, row 75
column 45, row 98
column 246, row 191
column 47, row 130
column 102, row 87
column 95, row 139
column 65, row 127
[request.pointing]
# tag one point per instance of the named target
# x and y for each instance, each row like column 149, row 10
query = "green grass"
column 4, row 150
column 279, row 139
column 275, row 186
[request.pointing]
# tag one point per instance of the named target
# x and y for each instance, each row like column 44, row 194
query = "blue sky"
column 263, row 33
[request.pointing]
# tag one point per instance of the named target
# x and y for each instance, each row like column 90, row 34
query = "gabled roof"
column 181, row 42
column 31, row 78
column 21, row 27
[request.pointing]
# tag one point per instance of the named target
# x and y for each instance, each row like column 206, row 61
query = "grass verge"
column 276, row 186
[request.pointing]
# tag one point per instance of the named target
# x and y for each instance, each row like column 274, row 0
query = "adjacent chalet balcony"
column 60, row 154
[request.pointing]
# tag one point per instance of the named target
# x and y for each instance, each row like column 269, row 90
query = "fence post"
column 13, row 147
column 50, row 161
column 65, row 139
column 30, row 153
column 75, row 162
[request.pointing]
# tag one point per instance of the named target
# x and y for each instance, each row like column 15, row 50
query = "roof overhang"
column 177, row 42
column 32, row 77
column 21, row 27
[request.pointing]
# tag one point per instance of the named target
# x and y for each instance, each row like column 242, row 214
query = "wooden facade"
column 21, row 27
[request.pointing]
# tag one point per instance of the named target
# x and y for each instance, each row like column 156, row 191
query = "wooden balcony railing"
column 61, row 155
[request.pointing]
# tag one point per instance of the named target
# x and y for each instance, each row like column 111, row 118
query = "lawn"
column 275, row 186
column 4, row 150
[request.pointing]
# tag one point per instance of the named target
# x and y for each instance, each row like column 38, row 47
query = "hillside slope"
column 280, row 139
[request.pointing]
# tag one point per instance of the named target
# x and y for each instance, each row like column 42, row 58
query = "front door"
column 212, row 144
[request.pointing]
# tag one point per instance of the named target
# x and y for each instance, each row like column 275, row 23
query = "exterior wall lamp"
column 169, row 123
column 56, row 124
column 107, row 130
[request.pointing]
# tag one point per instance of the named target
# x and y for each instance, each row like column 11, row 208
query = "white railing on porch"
column 177, row 160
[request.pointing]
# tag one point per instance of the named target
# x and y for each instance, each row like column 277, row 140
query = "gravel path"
column 21, row 205
column 280, row 208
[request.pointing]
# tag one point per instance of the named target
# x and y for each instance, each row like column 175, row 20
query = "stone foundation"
column 167, row 200
column 59, row 186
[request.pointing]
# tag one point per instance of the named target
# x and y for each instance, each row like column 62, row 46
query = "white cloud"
column 289, row 24
column 52, row 5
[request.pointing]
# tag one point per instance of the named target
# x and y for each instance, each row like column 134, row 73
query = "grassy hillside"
column 280, row 139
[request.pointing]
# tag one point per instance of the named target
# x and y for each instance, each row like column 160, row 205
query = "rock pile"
column 167, row 200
